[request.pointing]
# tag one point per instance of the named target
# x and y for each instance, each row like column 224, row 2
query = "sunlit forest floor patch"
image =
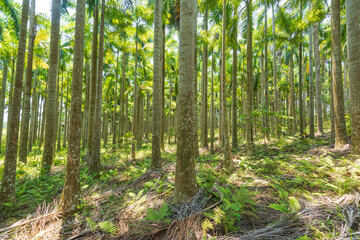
column 287, row 189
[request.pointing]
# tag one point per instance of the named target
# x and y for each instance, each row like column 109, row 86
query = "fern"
column 279, row 207
column 107, row 227
column 91, row 224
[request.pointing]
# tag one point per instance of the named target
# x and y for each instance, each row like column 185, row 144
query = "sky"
column 42, row 6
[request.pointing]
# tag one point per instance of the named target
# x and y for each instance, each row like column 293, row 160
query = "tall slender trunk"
column 301, row 114
column 7, row 191
column 227, row 164
column 320, row 128
column 311, row 85
column 60, row 113
column 33, row 114
column 114, row 125
column 42, row 130
column 338, row 90
column 266, row 122
column 249, row 88
column 86, row 107
column 276, row 95
column 2, row 99
column 353, row 36
column 71, row 191
column 93, row 81
column 212, row 123
column 162, row 88
column 11, row 94
column 66, row 115
column 234, row 89
column 185, row 178
column 122, row 122
column 293, row 125
column 147, row 125
column 24, row 130
column 51, row 105
column 204, row 86
column 95, row 163
column 195, row 96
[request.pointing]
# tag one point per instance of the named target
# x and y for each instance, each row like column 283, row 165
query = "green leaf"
column 279, row 207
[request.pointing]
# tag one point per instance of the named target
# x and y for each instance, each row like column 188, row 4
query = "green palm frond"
column 8, row 8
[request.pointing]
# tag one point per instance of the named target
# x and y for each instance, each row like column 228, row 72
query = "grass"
column 283, row 177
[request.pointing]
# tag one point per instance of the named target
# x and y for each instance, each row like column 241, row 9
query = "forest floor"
column 290, row 188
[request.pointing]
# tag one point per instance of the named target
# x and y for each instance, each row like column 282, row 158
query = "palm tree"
column 185, row 179
column 51, row 105
column 249, row 76
column 2, row 98
column 338, row 90
column 156, row 117
column 311, row 85
column 8, row 9
column 227, row 164
column 93, row 81
column 320, row 128
column 95, row 163
column 8, row 181
column 204, row 84
column 234, row 81
column 353, row 35
column 24, row 133
column 71, row 191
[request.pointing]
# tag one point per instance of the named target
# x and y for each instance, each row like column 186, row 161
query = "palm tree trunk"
column 338, row 90
column 212, row 123
column 234, row 91
column 311, row 86
column 301, row 114
column 24, row 130
column 33, row 114
column 60, row 113
column 93, row 81
column 195, row 97
column 86, row 107
column 249, row 88
column 66, row 115
column 204, row 85
column 320, row 128
column 185, row 178
column 7, row 191
column 114, row 125
column 227, row 164
column 122, row 119
column 95, row 163
column 71, row 191
column 353, row 36
column 2, row 99
column 51, row 105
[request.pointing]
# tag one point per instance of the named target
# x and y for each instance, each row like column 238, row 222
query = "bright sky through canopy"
column 42, row 6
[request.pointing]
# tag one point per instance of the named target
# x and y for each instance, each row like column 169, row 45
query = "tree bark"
column 320, row 128
column 24, row 130
column 93, row 81
column 185, row 179
column 227, row 163
column 71, row 191
column 204, row 86
column 95, row 164
column 234, row 89
column 7, row 191
column 338, row 90
column 353, row 36
column 2, row 99
column 51, row 105
column 33, row 114
column 311, row 85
